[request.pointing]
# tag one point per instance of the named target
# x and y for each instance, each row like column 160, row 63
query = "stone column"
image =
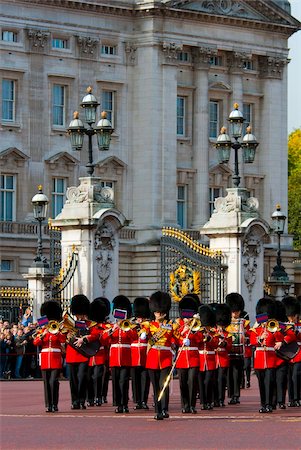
column 38, row 279
column 236, row 229
column 90, row 223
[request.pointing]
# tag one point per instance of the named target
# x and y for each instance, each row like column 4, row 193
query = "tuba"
column 272, row 325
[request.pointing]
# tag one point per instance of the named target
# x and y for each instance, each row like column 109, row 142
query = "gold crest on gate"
column 184, row 281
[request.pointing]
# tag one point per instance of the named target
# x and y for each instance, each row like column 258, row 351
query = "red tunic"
column 265, row 355
column 120, row 350
column 207, row 351
column 224, row 347
column 289, row 336
column 160, row 338
column 139, row 350
column 101, row 356
column 51, row 353
column 189, row 355
column 297, row 358
column 72, row 355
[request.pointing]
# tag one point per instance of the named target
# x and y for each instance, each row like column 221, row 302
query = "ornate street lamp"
column 77, row 130
column 278, row 219
column 224, row 143
column 40, row 205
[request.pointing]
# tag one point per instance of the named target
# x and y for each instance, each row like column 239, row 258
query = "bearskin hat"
column 223, row 314
column 52, row 310
column 160, row 302
column 244, row 315
column 122, row 302
column 141, row 307
column 194, row 296
column 207, row 316
column 235, row 301
column 280, row 313
column 292, row 306
column 80, row 305
column 266, row 305
column 98, row 311
column 107, row 304
column 188, row 302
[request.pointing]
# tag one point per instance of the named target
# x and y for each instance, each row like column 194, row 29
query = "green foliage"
column 294, row 187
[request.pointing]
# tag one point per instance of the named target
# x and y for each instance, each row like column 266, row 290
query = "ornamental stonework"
column 87, row 45
column 38, row 39
column 170, row 51
column 203, row 54
column 131, row 53
column 238, row 59
column 272, row 67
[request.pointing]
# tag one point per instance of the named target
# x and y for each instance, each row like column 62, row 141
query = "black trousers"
column 120, row 385
column 220, row 383
column 281, row 374
column 206, row 386
column 235, row 374
column 78, row 382
column 188, row 379
column 105, row 381
column 266, row 380
column 140, row 384
column 51, row 386
column 157, row 378
column 247, row 368
column 294, row 382
column 95, row 382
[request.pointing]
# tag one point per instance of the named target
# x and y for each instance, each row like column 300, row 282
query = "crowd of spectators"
column 19, row 357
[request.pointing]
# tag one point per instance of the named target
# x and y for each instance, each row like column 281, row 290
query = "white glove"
column 143, row 335
column 186, row 342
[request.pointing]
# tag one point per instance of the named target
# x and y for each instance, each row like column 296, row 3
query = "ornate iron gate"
column 13, row 302
column 188, row 266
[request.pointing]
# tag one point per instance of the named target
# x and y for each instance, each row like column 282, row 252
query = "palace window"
column 107, row 104
column 183, row 56
column 182, row 206
column 8, row 198
column 108, row 49
column 9, row 36
column 6, row 265
column 214, row 119
column 8, row 100
column 247, row 113
column 59, row 187
column 59, row 43
column 181, row 116
column 216, row 61
column 58, row 105
column 213, row 194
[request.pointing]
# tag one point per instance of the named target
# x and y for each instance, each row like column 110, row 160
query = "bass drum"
column 288, row 351
column 88, row 349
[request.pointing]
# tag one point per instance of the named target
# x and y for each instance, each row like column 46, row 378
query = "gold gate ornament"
column 184, row 281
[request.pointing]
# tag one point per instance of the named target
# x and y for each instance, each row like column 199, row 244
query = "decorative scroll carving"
column 203, row 54
column 170, row 51
column 37, row 38
column 87, row 45
column 104, row 243
column 271, row 66
column 86, row 193
column 225, row 7
column 234, row 203
column 238, row 59
column 251, row 249
column 131, row 53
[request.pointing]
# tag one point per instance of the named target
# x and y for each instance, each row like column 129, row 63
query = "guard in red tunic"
column 50, row 340
column 139, row 374
column 223, row 320
column 186, row 331
column 266, row 341
column 77, row 362
column 208, row 343
column 120, row 338
column 293, row 312
column 159, row 357
column 98, row 313
column 248, row 353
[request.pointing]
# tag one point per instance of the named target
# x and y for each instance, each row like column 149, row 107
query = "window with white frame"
column 214, row 119
column 8, row 198
column 248, row 65
column 58, row 105
column 181, row 115
column 9, row 36
column 108, row 49
column 59, row 43
column 6, row 265
column 214, row 193
column 107, row 104
column 59, row 187
column 182, row 206
column 247, row 113
column 8, row 100
column 216, row 60
column 183, row 56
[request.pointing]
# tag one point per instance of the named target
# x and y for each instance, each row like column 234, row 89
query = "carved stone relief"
column 131, row 53
column 104, row 243
column 252, row 246
column 272, row 67
column 233, row 202
column 203, row 54
column 38, row 39
column 170, row 51
column 87, row 45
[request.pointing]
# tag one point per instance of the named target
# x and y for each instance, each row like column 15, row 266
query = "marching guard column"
column 236, row 229
column 90, row 223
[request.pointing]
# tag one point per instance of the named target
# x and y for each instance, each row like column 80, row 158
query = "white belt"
column 190, row 348
column 139, row 344
column 121, row 345
column 161, row 347
column 270, row 349
column 50, row 349
column 206, row 352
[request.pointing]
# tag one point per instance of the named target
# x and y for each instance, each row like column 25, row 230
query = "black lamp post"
column 224, row 143
column 40, row 205
column 278, row 218
column 77, row 130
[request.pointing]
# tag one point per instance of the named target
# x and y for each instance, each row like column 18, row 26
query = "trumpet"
column 272, row 325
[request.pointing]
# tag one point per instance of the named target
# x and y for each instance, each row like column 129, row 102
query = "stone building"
column 167, row 73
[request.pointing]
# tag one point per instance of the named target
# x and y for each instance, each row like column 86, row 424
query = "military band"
column 205, row 346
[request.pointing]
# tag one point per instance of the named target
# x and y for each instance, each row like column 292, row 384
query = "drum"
column 288, row 351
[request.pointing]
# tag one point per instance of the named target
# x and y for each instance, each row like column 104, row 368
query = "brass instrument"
column 126, row 325
column 272, row 325
column 53, row 327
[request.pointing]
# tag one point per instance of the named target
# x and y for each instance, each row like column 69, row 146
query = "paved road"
column 25, row 425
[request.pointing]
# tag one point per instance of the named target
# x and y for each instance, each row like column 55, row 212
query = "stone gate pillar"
column 90, row 223
column 236, row 229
